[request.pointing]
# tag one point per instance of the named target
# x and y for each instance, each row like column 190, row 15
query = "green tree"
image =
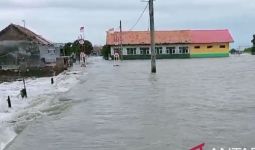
column 76, row 47
column 68, row 49
column 106, row 50
column 86, row 47
column 248, row 50
column 233, row 51
column 253, row 50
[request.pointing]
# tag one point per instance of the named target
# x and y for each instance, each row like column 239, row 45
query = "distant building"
column 60, row 48
column 96, row 50
column 20, row 46
column 171, row 44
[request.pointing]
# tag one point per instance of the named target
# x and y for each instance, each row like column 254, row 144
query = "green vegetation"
column 233, row 51
column 253, row 43
column 76, row 47
column 253, row 50
column 248, row 50
column 106, row 51
column 68, row 49
column 88, row 47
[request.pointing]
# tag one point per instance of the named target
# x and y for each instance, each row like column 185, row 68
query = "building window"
column 131, row 51
column 197, row 47
column 184, row 50
column 144, row 51
column 210, row 46
column 170, row 50
column 159, row 50
column 222, row 46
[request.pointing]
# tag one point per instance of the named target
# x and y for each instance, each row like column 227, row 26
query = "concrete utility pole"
column 152, row 32
column 121, row 42
column 24, row 23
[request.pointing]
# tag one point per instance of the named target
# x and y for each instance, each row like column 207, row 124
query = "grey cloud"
column 59, row 20
column 87, row 5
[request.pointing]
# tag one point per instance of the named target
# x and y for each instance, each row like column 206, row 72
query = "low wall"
column 12, row 75
column 161, row 56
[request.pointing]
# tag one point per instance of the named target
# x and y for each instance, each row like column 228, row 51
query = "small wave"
column 6, row 136
column 44, row 100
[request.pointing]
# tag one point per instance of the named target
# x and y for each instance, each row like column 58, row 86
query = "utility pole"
column 24, row 23
column 121, row 42
column 152, row 33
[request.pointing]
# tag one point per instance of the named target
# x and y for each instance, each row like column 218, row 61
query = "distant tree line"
column 250, row 50
column 246, row 50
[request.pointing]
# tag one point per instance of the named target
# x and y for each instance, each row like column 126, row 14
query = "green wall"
column 210, row 55
column 162, row 56
column 176, row 56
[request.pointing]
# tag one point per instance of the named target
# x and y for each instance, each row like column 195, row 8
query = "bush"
column 106, row 51
column 76, row 47
column 248, row 50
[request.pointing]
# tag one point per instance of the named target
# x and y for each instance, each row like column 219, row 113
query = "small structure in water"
column 83, row 59
column 116, row 59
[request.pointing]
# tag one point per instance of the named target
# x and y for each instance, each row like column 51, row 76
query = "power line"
column 140, row 17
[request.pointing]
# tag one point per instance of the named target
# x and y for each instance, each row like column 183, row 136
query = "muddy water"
column 186, row 103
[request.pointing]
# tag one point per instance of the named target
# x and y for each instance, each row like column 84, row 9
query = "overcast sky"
column 60, row 20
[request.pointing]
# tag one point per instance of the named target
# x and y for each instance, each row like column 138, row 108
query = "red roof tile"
column 211, row 36
column 170, row 37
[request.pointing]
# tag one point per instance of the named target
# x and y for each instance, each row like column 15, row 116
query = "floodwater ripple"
column 186, row 103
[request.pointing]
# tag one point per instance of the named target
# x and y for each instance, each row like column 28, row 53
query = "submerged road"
column 186, row 103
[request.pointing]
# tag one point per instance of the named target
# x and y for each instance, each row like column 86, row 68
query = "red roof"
column 170, row 37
